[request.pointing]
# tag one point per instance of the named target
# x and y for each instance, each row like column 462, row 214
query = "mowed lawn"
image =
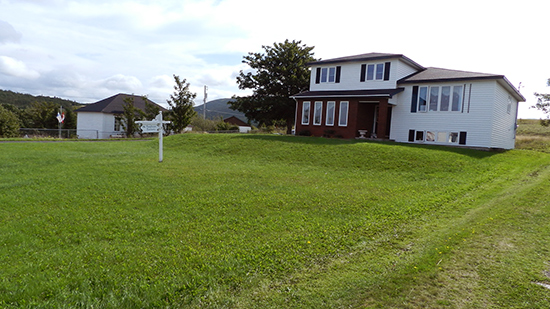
column 266, row 221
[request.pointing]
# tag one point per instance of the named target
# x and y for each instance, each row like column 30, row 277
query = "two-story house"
column 389, row 96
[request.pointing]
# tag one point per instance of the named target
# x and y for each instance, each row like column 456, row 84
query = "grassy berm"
column 266, row 221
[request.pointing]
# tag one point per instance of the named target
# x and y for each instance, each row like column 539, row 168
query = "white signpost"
column 155, row 126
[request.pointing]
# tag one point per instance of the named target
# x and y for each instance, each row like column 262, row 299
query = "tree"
column 129, row 116
column 181, row 105
column 9, row 124
column 42, row 115
column 277, row 74
column 543, row 104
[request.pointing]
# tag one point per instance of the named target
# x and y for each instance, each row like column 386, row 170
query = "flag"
column 60, row 117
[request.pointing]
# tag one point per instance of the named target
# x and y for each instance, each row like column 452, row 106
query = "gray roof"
column 368, row 57
column 432, row 74
column 387, row 93
column 114, row 104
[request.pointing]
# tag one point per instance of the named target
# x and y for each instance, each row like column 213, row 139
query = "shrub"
column 9, row 124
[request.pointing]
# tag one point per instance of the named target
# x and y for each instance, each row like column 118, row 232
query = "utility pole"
column 204, row 104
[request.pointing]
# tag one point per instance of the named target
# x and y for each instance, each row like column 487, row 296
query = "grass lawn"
column 265, row 221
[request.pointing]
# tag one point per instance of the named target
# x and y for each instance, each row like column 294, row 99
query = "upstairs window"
column 457, row 99
column 436, row 98
column 375, row 71
column 328, row 75
column 422, row 98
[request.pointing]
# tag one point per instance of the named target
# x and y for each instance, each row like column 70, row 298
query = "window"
column 118, row 124
column 430, row 136
column 509, row 108
column 457, row 99
column 453, row 137
column 445, row 98
column 370, row 72
column 379, row 71
column 330, row 113
column 328, row 75
column 441, row 137
column 317, row 113
column 434, row 98
column 324, row 74
column 343, row 117
column 419, row 136
column 305, row 113
column 422, row 98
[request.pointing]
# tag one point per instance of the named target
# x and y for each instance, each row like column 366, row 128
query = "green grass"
column 259, row 221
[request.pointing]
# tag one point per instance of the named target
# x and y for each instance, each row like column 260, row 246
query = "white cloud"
column 16, row 68
column 122, row 83
column 8, row 34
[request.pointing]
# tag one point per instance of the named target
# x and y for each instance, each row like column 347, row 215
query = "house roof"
column 432, row 74
column 115, row 104
column 236, row 121
column 350, row 93
column 368, row 57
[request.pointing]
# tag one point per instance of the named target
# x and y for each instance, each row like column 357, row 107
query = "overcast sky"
column 88, row 50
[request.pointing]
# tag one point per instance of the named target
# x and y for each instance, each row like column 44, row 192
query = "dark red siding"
column 360, row 117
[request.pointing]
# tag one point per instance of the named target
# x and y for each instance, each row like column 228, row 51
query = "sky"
column 88, row 50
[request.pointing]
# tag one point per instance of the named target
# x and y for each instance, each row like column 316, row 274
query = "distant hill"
column 219, row 108
column 22, row 100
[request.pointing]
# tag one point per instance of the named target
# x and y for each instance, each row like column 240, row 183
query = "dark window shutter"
column 387, row 70
column 338, row 71
column 363, row 72
column 462, row 138
column 318, row 76
column 414, row 99
column 411, row 135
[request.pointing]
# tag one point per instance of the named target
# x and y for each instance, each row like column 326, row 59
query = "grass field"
column 264, row 221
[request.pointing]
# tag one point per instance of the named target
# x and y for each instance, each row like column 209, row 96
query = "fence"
column 55, row 133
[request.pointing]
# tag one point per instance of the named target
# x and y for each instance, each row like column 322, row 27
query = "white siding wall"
column 477, row 117
column 95, row 125
column 503, row 131
column 351, row 73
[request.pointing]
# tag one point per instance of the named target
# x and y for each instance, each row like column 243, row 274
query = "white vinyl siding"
column 350, row 76
column 485, row 122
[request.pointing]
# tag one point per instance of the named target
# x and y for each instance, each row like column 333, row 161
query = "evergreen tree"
column 181, row 105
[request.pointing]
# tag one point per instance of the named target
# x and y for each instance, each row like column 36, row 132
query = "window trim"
column 323, row 75
column 318, row 112
column 330, row 115
column 340, row 123
column 308, row 103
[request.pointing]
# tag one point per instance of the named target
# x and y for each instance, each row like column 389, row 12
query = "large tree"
column 181, row 105
column 543, row 104
column 276, row 75
column 130, row 115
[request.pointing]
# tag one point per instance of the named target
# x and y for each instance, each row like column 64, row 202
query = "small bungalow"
column 389, row 96
column 102, row 119
column 243, row 126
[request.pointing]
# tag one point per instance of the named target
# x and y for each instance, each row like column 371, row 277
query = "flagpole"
column 61, row 112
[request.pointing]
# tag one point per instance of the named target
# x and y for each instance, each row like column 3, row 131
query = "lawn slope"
column 257, row 221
